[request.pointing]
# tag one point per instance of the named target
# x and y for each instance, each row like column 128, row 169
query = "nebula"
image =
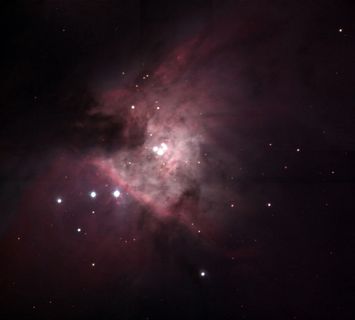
column 175, row 159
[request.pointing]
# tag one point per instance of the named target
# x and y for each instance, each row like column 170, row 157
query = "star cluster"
column 176, row 160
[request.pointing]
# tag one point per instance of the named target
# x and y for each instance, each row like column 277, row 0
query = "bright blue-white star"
column 116, row 193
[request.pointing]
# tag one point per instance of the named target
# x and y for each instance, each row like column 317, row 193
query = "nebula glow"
column 176, row 159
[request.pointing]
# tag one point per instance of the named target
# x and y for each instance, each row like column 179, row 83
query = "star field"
column 177, row 160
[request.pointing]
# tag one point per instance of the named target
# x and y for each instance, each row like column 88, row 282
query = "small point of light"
column 78, row 230
column 202, row 273
column 269, row 204
column 93, row 264
column 132, row 107
column 116, row 193
column 93, row 194
column 298, row 150
column 340, row 29
column 59, row 200
column 158, row 108
column 93, row 211
column 232, row 205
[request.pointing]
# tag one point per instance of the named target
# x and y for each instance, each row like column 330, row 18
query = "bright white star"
column 116, row 193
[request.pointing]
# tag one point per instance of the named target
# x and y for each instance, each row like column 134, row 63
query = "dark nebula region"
column 177, row 159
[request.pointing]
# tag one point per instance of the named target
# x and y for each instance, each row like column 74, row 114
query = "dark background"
column 52, row 51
